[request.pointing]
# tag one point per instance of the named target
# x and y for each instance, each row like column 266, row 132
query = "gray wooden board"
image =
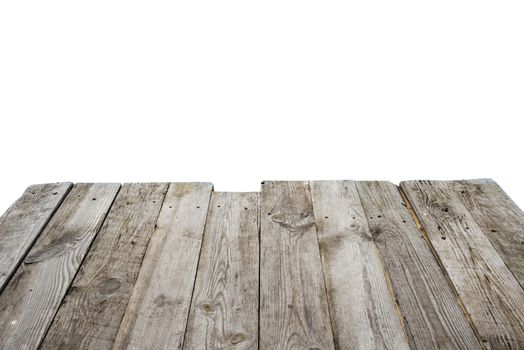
column 224, row 309
column 501, row 220
column 363, row 310
column 293, row 306
column 32, row 297
column 91, row 312
column 433, row 318
column 157, row 312
column 491, row 294
column 21, row 224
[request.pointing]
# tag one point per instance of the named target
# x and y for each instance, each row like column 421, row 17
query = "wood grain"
column 157, row 313
column 433, row 318
column 91, row 312
column 489, row 291
column 363, row 311
column 293, row 306
column 23, row 222
column 224, row 310
column 501, row 220
column 32, row 297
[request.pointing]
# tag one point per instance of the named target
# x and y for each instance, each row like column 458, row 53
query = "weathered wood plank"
column 91, row 312
column 157, row 313
column 23, row 222
column 501, row 220
column 490, row 293
column 32, row 297
column 293, row 306
column 363, row 311
column 224, row 309
column 433, row 318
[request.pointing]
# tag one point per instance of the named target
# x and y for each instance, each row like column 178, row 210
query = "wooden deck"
column 300, row 265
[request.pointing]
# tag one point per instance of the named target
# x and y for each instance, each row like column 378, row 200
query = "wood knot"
column 237, row 338
column 105, row 290
column 207, row 308
column 57, row 247
column 294, row 222
column 160, row 300
column 109, row 286
column 71, row 289
column 375, row 232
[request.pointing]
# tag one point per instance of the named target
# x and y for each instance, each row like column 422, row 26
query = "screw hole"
column 404, row 221
column 268, row 213
column 170, row 206
column 94, row 199
column 154, row 201
column 444, row 238
column 245, row 208
column 326, row 217
column 379, row 216
column 198, row 207
column 55, row 193
column 494, row 231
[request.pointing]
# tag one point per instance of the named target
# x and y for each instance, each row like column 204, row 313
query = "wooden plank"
column 23, row 222
column 501, row 220
column 363, row 311
column 433, row 318
column 90, row 315
column 31, row 298
column 490, row 293
column 224, row 310
column 293, row 306
column 157, row 313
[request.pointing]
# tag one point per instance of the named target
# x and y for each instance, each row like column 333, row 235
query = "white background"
column 235, row 92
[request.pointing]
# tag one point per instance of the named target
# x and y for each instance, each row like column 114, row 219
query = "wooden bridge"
column 300, row 265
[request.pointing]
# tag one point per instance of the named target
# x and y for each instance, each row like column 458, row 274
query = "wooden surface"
column 24, row 221
column 224, row 310
column 433, row 317
column 33, row 295
column 500, row 219
column 363, row 311
column 156, row 315
column 293, row 306
column 95, row 303
column 300, row 265
column 491, row 294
